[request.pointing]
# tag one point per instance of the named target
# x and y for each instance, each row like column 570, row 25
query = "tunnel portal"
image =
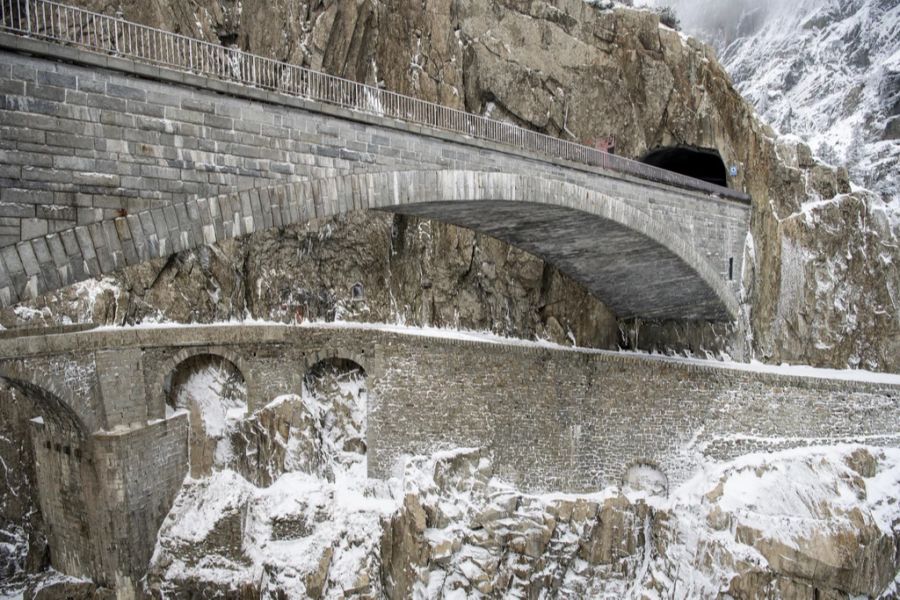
column 701, row 163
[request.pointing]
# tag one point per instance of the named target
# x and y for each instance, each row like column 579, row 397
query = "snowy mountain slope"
column 827, row 71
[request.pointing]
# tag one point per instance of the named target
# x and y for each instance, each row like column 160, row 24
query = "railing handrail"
column 114, row 35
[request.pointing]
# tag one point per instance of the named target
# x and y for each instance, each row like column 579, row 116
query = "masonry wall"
column 82, row 146
column 140, row 471
column 66, row 485
column 553, row 419
column 558, row 420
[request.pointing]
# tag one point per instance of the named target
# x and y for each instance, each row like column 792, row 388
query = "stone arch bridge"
column 106, row 162
column 552, row 419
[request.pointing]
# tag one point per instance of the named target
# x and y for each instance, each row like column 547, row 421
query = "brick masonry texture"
column 553, row 419
column 104, row 495
column 99, row 170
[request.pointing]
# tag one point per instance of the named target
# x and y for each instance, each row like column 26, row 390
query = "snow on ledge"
column 852, row 375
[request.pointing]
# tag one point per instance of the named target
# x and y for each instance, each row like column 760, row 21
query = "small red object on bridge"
column 607, row 144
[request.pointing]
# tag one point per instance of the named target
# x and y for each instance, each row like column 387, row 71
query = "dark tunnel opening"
column 700, row 163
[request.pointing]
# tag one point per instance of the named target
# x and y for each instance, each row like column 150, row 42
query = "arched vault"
column 639, row 264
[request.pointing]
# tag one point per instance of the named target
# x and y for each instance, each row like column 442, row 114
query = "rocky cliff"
column 284, row 510
column 826, row 71
column 579, row 71
column 808, row 523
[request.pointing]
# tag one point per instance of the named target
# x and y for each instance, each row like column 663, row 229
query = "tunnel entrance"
column 700, row 163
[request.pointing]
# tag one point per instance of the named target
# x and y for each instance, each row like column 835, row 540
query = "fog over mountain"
column 827, row 71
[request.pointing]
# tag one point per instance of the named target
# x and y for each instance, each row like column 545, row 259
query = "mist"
column 720, row 22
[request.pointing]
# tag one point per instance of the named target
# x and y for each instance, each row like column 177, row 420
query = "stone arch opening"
column 705, row 164
column 645, row 476
column 357, row 292
column 213, row 391
column 48, row 456
column 338, row 388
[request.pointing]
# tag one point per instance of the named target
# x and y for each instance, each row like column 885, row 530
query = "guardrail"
column 97, row 32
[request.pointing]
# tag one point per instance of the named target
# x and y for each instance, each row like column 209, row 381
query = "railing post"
column 116, row 30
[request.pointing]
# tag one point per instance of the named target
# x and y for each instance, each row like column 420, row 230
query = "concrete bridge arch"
column 640, row 265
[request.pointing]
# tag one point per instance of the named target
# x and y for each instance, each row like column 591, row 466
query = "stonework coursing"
column 124, row 169
column 553, row 419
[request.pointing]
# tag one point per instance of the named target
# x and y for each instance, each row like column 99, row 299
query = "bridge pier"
column 104, row 496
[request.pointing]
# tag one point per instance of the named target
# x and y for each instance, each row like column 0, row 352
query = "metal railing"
column 106, row 34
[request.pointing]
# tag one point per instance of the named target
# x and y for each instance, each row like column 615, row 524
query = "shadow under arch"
column 640, row 266
column 55, row 394
column 178, row 375
column 213, row 391
column 340, row 387
column 646, row 476
column 57, row 412
column 162, row 384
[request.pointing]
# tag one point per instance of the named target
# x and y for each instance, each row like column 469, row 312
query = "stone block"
column 97, row 179
column 124, row 91
column 56, row 212
column 86, row 216
column 85, row 243
column 11, row 260
column 57, row 250
column 33, row 228
column 29, row 261
column 21, row 211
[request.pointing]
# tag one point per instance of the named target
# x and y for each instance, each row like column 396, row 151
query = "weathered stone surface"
column 654, row 547
column 614, row 234
column 56, row 587
column 416, row 271
column 840, row 280
column 278, row 438
column 421, row 399
column 585, row 72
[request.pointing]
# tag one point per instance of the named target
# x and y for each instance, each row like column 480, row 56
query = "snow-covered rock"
column 827, row 71
column 764, row 526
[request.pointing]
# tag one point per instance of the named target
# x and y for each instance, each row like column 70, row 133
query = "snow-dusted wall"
column 552, row 418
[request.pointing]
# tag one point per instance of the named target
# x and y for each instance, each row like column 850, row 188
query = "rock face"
column 369, row 267
column 821, row 70
column 448, row 528
column 291, row 514
column 838, row 300
column 23, row 544
column 830, row 533
column 567, row 68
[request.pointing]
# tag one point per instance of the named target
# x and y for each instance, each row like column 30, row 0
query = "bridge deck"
column 103, row 171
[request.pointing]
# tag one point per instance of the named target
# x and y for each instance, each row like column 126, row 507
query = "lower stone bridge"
column 109, row 460
column 636, row 407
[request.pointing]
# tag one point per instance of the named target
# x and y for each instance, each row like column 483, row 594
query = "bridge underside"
column 638, row 265
column 633, row 275
column 221, row 160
